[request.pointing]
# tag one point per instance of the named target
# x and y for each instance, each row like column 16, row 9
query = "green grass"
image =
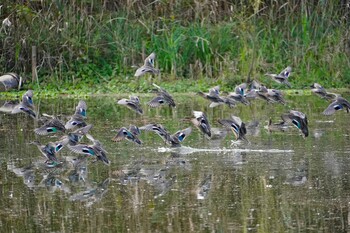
column 89, row 46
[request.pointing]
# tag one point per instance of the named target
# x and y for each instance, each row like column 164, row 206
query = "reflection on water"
column 277, row 182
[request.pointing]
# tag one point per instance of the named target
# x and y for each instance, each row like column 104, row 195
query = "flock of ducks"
column 76, row 127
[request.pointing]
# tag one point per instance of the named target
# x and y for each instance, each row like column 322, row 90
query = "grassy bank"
column 95, row 46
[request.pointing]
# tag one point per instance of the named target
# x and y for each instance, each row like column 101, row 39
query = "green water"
column 278, row 182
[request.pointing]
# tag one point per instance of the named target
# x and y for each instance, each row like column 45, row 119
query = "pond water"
column 277, row 182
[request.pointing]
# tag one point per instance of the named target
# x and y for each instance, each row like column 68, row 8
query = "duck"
column 128, row 134
column 254, row 85
column 298, row 119
column 50, row 127
column 158, row 129
column 241, row 89
column 171, row 139
column 76, row 136
column 236, row 125
column 177, row 138
column 321, row 92
column 251, row 93
column 262, row 93
column 282, row 77
column 78, row 119
column 8, row 106
column 213, row 96
column 280, row 126
column 26, row 105
column 276, row 96
column 132, row 103
column 95, row 149
column 81, row 108
column 270, row 95
column 148, row 66
column 238, row 95
column 163, row 97
column 230, row 102
column 202, row 123
column 50, row 150
column 339, row 103
column 238, row 98
column 75, row 121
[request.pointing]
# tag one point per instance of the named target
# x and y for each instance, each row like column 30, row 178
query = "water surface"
column 276, row 183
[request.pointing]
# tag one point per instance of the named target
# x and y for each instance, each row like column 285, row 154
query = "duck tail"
column 201, row 94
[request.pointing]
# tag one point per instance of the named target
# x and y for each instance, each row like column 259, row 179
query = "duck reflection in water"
column 92, row 195
column 27, row 173
column 78, row 175
column 159, row 174
column 62, row 177
column 53, row 182
column 298, row 176
column 204, row 187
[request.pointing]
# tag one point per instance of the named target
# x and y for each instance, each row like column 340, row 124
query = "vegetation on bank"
column 95, row 46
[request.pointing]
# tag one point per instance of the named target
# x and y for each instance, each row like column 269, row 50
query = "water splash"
column 190, row 150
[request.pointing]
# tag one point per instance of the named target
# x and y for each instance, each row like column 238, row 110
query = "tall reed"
column 93, row 42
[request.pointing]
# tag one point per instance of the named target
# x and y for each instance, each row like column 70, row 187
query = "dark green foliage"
column 90, row 44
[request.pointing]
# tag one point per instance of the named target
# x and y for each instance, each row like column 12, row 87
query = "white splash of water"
column 189, row 150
